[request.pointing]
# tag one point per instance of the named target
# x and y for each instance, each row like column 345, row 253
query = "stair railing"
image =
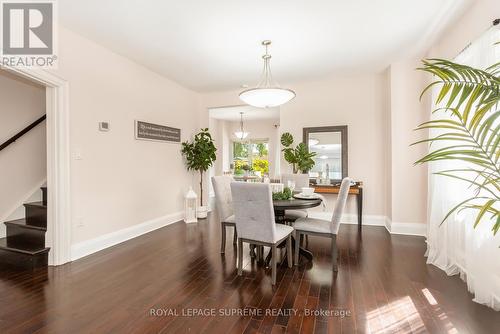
column 22, row 132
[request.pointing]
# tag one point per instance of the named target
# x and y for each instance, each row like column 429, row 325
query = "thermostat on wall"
column 103, row 126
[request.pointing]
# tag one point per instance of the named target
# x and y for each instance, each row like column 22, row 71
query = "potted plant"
column 200, row 156
column 471, row 135
column 247, row 169
column 299, row 157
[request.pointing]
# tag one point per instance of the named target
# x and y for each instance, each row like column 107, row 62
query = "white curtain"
column 455, row 246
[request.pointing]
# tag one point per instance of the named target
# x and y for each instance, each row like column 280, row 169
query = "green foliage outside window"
column 240, row 150
column 240, row 166
column 262, row 149
column 250, row 156
column 261, row 165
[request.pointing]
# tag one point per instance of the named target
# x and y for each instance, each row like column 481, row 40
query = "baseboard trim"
column 415, row 229
column 91, row 246
column 369, row 220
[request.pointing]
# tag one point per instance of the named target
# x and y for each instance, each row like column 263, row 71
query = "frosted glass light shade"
column 266, row 97
column 241, row 135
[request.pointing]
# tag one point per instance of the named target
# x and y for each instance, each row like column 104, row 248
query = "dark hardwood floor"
column 383, row 286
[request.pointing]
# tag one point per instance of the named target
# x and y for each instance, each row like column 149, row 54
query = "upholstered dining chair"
column 322, row 227
column 301, row 181
column 254, row 216
column 224, row 205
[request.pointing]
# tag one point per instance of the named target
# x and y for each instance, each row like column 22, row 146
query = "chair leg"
column 307, row 241
column 301, row 240
column 298, row 237
column 223, row 239
column 289, row 257
column 235, row 236
column 240, row 257
column 274, row 261
column 334, row 253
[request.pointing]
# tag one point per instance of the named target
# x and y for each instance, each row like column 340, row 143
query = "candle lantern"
column 190, row 206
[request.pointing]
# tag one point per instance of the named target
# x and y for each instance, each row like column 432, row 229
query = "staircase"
column 24, row 246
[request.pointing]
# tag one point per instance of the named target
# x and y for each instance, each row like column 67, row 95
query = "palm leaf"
column 470, row 132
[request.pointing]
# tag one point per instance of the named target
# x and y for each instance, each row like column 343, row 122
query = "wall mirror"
column 330, row 145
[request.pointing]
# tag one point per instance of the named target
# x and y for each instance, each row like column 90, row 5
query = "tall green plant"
column 200, row 155
column 299, row 157
column 472, row 133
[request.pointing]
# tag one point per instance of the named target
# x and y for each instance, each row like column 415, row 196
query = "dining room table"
column 280, row 207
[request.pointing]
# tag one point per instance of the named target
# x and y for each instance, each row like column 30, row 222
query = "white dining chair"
column 322, row 227
column 301, row 181
column 224, row 206
column 254, row 216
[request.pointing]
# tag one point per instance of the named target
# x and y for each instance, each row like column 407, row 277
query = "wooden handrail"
column 22, row 132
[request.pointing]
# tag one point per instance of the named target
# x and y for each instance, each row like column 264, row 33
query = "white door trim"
column 58, row 236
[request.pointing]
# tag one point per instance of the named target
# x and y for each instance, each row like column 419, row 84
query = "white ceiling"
column 213, row 45
column 250, row 113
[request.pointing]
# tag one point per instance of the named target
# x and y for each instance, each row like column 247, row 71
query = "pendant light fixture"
column 267, row 93
column 241, row 134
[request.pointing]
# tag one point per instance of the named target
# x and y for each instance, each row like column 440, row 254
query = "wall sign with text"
column 156, row 132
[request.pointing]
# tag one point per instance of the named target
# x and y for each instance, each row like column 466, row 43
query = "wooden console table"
column 356, row 190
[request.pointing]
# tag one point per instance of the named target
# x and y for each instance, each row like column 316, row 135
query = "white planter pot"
column 202, row 212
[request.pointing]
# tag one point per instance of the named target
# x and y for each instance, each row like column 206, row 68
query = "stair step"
column 22, row 236
column 36, row 214
column 44, row 195
column 23, row 258
column 22, row 223
column 27, row 251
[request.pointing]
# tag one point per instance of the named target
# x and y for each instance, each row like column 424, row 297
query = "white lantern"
column 190, row 206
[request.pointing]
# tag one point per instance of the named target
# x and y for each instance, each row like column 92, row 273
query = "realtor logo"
column 27, row 33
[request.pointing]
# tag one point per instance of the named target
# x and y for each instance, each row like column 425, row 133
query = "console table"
column 356, row 190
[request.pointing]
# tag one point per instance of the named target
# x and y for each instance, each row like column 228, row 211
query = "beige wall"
column 355, row 101
column 121, row 182
column 23, row 165
column 407, row 189
column 337, row 101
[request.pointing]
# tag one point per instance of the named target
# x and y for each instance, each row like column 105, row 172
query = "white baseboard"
column 370, row 220
column 376, row 220
column 91, row 246
column 406, row 228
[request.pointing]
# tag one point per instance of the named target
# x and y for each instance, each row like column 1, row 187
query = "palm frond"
column 469, row 131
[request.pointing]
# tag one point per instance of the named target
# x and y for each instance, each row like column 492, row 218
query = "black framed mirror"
column 330, row 145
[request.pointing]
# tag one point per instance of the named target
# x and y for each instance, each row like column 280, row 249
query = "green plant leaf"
column 459, row 205
column 482, row 210
column 286, row 139
column 472, row 130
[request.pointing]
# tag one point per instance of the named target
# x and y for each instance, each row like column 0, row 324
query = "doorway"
column 58, row 236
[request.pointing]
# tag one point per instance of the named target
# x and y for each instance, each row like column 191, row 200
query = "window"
column 251, row 157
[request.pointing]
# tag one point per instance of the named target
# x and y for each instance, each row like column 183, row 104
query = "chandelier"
column 267, row 93
column 241, row 134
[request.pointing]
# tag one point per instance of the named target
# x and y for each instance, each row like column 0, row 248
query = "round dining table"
column 280, row 206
